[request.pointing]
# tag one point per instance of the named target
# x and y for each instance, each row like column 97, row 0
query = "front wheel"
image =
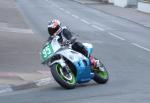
column 101, row 75
column 64, row 76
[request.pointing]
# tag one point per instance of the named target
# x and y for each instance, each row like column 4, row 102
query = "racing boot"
column 95, row 63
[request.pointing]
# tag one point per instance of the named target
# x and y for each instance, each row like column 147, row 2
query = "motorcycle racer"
column 54, row 28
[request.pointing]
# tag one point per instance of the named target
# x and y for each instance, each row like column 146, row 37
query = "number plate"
column 46, row 52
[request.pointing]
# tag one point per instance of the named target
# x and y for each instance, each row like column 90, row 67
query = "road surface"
column 123, row 46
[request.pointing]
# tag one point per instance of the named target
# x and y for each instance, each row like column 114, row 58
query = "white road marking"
column 18, row 30
column 99, row 28
column 84, row 21
column 139, row 46
column 102, row 25
column 75, row 16
column 68, row 12
column 93, row 42
column 62, row 9
column 116, row 36
column 96, row 23
column 8, row 89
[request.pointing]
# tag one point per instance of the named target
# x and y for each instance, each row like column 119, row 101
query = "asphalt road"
column 123, row 46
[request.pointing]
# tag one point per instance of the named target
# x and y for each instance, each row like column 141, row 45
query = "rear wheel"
column 101, row 75
column 64, row 76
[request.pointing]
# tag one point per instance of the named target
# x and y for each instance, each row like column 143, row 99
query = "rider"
column 54, row 28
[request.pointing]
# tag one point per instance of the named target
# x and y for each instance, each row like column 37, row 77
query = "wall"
column 144, row 7
column 125, row 3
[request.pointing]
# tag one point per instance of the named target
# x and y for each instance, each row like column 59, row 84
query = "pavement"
column 130, row 13
column 19, row 50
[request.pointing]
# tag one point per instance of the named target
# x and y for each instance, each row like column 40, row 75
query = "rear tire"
column 66, row 82
column 101, row 75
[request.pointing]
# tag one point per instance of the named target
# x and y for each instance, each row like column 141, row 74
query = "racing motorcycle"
column 69, row 67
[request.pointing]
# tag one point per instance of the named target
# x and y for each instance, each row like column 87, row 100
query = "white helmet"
column 53, row 26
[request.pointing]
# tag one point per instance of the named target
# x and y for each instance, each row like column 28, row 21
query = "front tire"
column 65, row 79
column 101, row 75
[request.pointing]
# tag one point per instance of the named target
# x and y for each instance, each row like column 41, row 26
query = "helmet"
column 53, row 27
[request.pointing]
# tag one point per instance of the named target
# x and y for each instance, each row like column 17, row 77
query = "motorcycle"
column 69, row 67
